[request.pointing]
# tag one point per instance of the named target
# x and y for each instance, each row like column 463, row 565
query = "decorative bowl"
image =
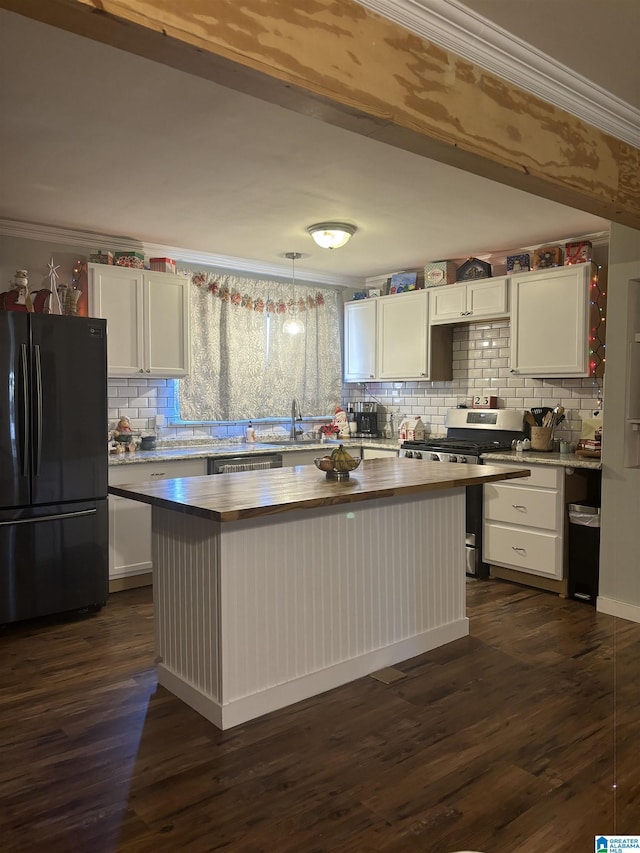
column 124, row 437
column 332, row 473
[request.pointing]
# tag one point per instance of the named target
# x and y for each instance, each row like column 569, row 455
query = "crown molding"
column 91, row 239
column 451, row 25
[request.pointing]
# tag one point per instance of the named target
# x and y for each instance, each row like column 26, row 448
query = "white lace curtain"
column 243, row 365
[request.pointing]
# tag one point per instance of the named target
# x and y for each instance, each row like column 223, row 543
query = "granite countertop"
column 173, row 451
column 256, row 494
column 529, row 457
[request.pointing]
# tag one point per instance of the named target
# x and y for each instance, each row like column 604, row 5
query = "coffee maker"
column 366, row 417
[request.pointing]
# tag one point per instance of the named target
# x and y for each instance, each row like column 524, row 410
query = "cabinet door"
column 488, row 299
column 166, row 330
column 360, row 340
column 403, row 332
column 550, row 322
column 130, row 521
column 291, row 458
column 448, row 303
column 115, row 293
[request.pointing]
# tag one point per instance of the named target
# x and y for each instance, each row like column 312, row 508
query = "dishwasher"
column 234, row 464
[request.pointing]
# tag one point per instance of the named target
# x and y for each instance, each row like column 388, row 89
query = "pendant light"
column 293, row 325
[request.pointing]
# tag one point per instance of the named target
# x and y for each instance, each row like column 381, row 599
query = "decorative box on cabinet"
column 525, row 524
column 147, row 317
column 551, row 318
column 130, row 521
column 466, row 303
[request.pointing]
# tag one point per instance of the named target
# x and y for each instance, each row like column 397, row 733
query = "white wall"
column 619, row 591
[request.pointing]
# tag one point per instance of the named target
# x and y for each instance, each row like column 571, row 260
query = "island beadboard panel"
column 241, row 635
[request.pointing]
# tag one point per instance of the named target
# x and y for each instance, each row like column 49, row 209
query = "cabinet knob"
column 519, row 550
column 148, row 370
column 519, row 506
column 141, row 370
column 513, row 370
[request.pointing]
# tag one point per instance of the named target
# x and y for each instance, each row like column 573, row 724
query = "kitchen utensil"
column 539, row 413
column 529, row 419
column 148, row 442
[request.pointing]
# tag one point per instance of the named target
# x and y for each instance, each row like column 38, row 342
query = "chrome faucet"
column 295, row 414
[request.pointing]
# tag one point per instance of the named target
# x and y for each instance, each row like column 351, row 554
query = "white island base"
column 261, row 613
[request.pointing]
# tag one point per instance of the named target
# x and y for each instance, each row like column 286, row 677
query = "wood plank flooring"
column 510, row 740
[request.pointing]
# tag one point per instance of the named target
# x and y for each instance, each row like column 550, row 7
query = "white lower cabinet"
column 525, row 520
column 130, row 521
column 291, row 458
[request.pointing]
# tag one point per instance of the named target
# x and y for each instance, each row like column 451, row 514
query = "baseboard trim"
column 527, row 579
column 227, row 715
column 130, row 582
column 618, row 608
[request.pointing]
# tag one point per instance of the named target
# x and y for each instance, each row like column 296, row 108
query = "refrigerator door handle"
column 26, row 406
column 56, row 517
column 38, row 410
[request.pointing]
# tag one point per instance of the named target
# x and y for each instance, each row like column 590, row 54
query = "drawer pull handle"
column 159, row 474
column 519, row 550
column 519, row 506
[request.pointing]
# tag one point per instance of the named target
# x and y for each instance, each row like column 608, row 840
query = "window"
column 244, row 365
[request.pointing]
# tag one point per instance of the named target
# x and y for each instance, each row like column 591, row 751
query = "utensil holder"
column 541, row 438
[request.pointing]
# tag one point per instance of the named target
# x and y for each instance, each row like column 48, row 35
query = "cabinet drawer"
column 527, row 507
column 542, row 476
column 536, row 553
column 143, row 471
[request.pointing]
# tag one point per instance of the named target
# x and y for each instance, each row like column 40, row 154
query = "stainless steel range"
column 470, row 433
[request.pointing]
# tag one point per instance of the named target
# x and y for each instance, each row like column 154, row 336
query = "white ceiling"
column 103, row 141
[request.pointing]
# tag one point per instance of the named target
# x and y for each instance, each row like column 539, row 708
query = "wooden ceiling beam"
column 345, row 65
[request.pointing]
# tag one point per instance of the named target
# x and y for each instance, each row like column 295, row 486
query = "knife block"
column 541, row 438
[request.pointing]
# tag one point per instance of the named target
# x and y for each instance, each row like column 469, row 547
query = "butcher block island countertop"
column 274, row 586
column 252, row 494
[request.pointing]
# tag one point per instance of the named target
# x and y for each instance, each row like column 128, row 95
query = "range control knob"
column 453, row 458
column 462, row 459
column 435, row 457
column 417, row 455
column 408, row 454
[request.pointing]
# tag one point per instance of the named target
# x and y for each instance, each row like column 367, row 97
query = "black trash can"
column 584, row 552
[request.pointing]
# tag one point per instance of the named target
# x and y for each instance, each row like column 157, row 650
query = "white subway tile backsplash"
column 481, row 357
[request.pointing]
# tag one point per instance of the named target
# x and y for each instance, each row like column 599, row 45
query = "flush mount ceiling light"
column 332, row 235
column 293, row 325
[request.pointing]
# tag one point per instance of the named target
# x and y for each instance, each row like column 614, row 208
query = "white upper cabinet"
column 360, row 340
column 403, row 336
column 550, row 321
column 470, row 301
column 389, row 338
column 147, row 317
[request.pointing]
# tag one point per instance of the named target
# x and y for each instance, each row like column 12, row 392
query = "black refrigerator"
column 53, row 465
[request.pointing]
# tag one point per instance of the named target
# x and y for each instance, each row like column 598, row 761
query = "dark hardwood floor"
column 521, row 738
